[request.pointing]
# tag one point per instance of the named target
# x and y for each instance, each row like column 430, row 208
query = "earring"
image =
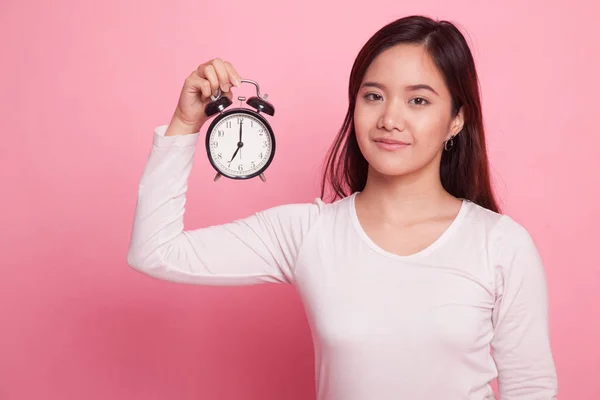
column 449, row 143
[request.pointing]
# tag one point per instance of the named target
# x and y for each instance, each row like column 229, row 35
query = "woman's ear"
column 457, row 124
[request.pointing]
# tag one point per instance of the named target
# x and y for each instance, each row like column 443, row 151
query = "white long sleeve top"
column 438, row 324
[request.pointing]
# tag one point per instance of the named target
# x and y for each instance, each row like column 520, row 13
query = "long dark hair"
column 464, row 170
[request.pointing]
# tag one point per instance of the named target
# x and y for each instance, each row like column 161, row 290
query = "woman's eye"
column 372, row 96
column 419, row 101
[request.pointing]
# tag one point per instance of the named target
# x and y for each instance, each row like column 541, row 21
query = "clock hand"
column 235, row 153
column 240, row 144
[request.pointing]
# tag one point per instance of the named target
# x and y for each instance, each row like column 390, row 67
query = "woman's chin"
column 390, row 170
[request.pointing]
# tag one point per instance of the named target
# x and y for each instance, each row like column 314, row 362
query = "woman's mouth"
column 391, row 144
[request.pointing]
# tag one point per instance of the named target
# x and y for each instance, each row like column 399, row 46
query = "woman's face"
column 403, row 112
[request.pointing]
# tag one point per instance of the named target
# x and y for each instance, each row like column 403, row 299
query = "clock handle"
column 220, row 93
column 258, row 102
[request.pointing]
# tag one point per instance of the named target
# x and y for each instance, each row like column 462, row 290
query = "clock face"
column 240, row 144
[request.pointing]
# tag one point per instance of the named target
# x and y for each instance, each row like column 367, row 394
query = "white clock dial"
column 240, row 145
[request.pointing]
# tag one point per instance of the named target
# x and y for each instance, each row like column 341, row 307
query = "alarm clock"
column 240, row 143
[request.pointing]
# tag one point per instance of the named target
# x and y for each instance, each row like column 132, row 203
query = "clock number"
column 265, row 143
column 228, row 124
column 214, row 144
column 219, row 156
column 260, row 131
column 240, row 167
column 260, row 156
column 220, row 133
column 251, row 123
column 252, row 165
column 240, row 121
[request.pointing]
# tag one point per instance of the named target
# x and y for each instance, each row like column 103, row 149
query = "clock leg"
column 262, row 177
column 217, row 176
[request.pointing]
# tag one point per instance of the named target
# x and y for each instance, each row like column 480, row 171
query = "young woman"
column 411, row 275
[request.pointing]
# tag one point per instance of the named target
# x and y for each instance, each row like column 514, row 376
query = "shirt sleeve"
column 521, row 342
column 261, row 248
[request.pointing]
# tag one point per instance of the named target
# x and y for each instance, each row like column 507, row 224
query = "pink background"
column 84, row 83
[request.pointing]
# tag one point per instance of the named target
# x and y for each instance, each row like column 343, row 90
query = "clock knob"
column 217, row 106
column 261, row 105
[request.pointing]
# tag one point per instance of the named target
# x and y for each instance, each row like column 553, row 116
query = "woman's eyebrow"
column 421, row 86
column 373, row 84
column 410, row 88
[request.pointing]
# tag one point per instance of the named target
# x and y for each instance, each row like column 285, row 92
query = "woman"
column 411, row 275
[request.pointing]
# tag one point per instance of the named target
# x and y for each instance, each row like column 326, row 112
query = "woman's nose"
column 392, row 117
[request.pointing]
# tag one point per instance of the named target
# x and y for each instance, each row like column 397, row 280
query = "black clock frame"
column 224, row 115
